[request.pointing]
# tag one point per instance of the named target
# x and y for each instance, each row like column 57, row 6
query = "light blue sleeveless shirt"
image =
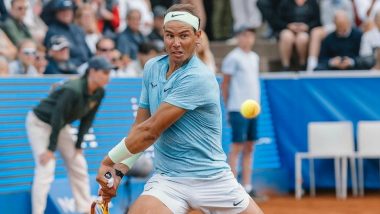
column 191, row 147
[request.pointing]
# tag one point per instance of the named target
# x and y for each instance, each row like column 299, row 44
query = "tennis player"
column 180, row 113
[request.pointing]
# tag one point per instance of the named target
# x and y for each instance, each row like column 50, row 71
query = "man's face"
column 246, row 39
column 99, row 77
column 105, row 48
column 18, row 9
column 342, row 25
column 180, row 41
column 65, row 16
column 60, row 55
column 134, row 20
column 27, row 53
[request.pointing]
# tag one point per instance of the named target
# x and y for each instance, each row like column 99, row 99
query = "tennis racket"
column 99, row 206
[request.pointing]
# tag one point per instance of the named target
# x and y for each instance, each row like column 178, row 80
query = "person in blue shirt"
column 180, row 115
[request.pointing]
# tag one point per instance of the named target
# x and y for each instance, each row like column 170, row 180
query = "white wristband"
column 132, row 160
column 120, row 152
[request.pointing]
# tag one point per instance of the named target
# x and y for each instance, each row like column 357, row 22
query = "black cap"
column 63, row 5
column 58, row 42
column 159, row 11
column 244, row 29
column 100, row 63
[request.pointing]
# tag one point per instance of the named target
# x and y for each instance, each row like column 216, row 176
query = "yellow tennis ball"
column 250, row 109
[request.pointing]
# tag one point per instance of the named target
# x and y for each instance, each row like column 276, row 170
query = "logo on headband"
column 174, row 15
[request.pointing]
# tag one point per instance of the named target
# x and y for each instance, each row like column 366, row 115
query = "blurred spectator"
column 245, row 13
column 107, row 13
column 3, row 11
column 79, row 51
column 129, row 40
column 367, row 10
column 135, row 68
column 296, row 18
column 14, row 25
column 340, row 49
column 104, row 47
column 146, row 21
column 241, row 82
column 4, row 69
column 204, row 52
column 371, row 39
column 59, row 57
column 86, row 19
column 116, row 61
column 376, row 67
column 157, row 34
column 328, row 9
column 7, row 49
column 221, row 20
column 268, row 9
column 41, row 61
column 36, row 26
column 24, row 64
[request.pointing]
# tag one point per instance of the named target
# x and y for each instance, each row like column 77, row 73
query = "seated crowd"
column 59, row 36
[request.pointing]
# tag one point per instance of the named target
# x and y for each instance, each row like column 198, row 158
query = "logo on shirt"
column 174, row 15
column 166, row 89
column 237, row 203
column 153, row 84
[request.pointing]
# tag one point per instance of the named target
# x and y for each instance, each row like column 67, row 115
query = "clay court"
column 323, row 203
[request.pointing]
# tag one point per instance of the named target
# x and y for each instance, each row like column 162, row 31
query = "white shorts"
column 222, row 194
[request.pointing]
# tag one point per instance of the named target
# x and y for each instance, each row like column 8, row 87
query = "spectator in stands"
column 157, row 34
column 86, row 19
column 328, row 9
column 4, row 68
column 366, row 11
column 7, row 49
column 40, row 63
column 26, row 56
column 295, row 19
column 245, row 13
column 48, row 129
column 59, row 57
column 221, row 20
column 104, row 47
column 204, row 52
column 340, row 49
column 14, row 25
column 108, row 19
column 36, row 26
column 116, row 60
column 241, row 82
column 371, row 39
column 145, row 8
column 129, row 40
column 268, row 9
column 63, row 26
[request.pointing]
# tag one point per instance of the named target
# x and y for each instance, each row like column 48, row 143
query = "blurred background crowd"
column 40, row 37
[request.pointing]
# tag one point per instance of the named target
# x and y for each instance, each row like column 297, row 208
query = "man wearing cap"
column 63, row 25
column 59, row 57
column 180, row 115
column 48, row 129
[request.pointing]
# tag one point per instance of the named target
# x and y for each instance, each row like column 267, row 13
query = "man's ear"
column 198, row 37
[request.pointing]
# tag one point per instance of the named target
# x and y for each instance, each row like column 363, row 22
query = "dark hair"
column 187, row 8
column 103, row 39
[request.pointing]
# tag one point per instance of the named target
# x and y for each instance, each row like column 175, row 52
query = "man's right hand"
column 46, row 157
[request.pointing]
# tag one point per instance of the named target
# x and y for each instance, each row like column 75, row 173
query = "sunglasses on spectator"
column 105, row 49
column 29, row 51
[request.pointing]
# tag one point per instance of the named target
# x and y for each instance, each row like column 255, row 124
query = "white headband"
column 183, row 16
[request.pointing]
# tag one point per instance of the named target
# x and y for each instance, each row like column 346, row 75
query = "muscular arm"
column 147, row 129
